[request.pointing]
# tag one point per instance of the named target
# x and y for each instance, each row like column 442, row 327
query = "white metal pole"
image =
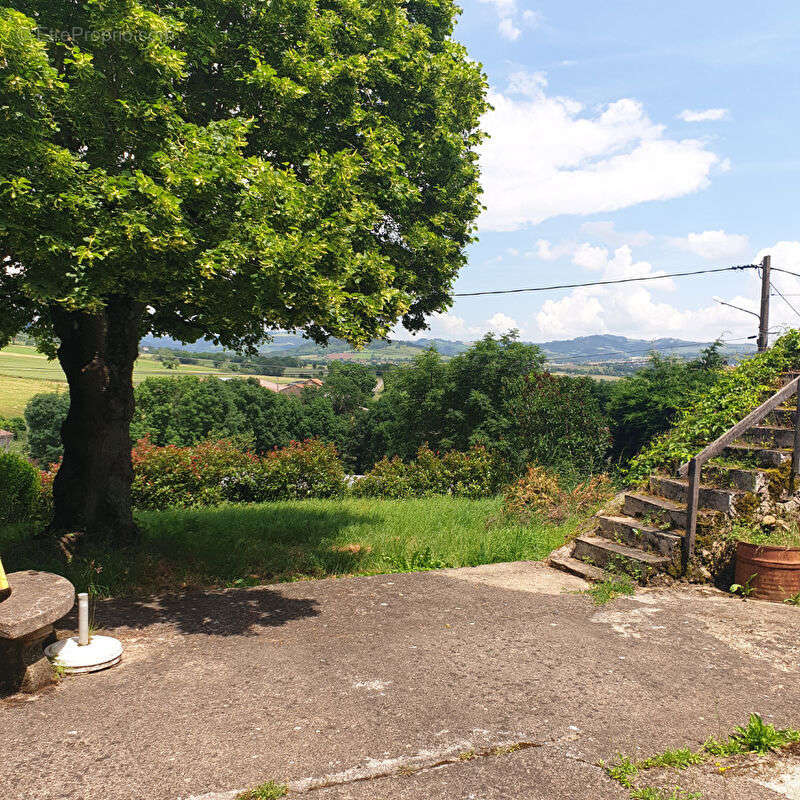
column 83, row 618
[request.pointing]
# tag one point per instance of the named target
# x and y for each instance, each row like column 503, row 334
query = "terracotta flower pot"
column 776, row 570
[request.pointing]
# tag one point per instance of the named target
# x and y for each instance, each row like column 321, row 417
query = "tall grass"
column 235, row 545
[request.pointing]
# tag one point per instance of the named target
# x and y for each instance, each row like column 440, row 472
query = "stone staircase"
column 645, row 536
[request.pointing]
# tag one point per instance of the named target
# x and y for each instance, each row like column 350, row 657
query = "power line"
column 783, row 297
column 606, row 283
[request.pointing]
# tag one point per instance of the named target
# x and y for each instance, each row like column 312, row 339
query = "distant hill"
column 583, row 350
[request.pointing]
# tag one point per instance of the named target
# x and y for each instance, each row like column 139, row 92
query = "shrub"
column 474, row 474
column 303, row 469
column 14, row 424
column 19, row 488
column 185, row 477
column 44, row 415
column 209, row 473
column 539, row 494
column 734, row 394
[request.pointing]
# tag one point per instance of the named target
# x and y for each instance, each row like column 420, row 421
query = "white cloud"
column 510, row 18
column 712, row 244
column 532, row 19
column 501, row 323
column 605, row 231
column 546, row 156
column 631, row 309
column 508, row 30
column 590, row 257
column 708, row 115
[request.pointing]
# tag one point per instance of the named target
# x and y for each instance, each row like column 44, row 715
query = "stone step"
column 634, row 533
column 639, row 504
column 772, row 435
column 710, row 497
column 741, row 478
column 764, row 456
column 580, row 568
column 619, row 557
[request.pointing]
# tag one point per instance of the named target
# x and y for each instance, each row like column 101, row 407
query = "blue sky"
column 629, row 138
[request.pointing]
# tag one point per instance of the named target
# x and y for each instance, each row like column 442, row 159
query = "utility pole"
column 763, row 324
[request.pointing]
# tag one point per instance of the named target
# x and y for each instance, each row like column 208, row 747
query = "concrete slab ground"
column 494, row 682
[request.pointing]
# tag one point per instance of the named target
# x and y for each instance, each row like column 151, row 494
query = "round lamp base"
column 69, row 656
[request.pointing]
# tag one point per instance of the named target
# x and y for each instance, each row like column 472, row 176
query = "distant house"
column 273, row 386
column 6, row 437
column 296, row 389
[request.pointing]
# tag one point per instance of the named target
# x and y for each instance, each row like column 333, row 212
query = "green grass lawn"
column 241, row 545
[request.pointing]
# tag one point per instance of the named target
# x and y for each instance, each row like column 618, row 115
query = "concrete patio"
column 493, row 682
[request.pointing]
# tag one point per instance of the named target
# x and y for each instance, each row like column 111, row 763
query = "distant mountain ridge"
column 597, row 347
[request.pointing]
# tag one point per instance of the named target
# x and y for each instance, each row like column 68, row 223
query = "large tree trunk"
column 92, row 490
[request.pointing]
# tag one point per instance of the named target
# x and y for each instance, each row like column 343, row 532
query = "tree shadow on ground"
column 233, row 612
column 163, row 579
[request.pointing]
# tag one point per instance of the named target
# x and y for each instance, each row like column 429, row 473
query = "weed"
column 609, row 588
column 680, row 758
column 755, row 737
column 761, row 737
column 623, row 771
column 794, row 600
column 266, row 791
column 744, row 590
column 467, row 755
column 650, row 793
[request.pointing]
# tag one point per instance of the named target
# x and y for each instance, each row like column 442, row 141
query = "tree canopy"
column 235, row 166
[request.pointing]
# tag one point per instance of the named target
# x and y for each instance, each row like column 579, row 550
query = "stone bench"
column 37, row 600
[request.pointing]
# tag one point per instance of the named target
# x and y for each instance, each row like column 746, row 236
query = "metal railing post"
column 796, row 443
column 692, row 501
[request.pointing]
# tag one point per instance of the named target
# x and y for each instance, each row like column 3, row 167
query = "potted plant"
column 768, row 560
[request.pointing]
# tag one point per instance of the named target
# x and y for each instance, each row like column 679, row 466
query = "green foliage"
column 679, row 758
column 780, row 534
column 19, row 489
column 651, row 793
column 539, row 493
column 247, row 544
column 209, row 473
column 560, row 422
column 494, row 395
column 475, row 473
column 755, row 737
column 305, row 167
column 266, row 791
column 622, row 771
column 14, row 424
column 184, row 477
column 349, row 386
column 718, row 407
column 44, row 415
column 645, row 405
column 303, row 469
column 611, row 587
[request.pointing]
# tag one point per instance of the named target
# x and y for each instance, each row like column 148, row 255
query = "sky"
column 628, row 139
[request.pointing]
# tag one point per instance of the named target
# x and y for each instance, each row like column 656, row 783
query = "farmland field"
column 25, row 372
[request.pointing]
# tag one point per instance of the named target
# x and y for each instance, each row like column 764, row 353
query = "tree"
column 220, row 169
column 44, row 415
column 645, row 404
column 349, row 386
column 560, row 423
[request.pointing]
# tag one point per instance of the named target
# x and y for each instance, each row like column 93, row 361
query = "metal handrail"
column 694, row 466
